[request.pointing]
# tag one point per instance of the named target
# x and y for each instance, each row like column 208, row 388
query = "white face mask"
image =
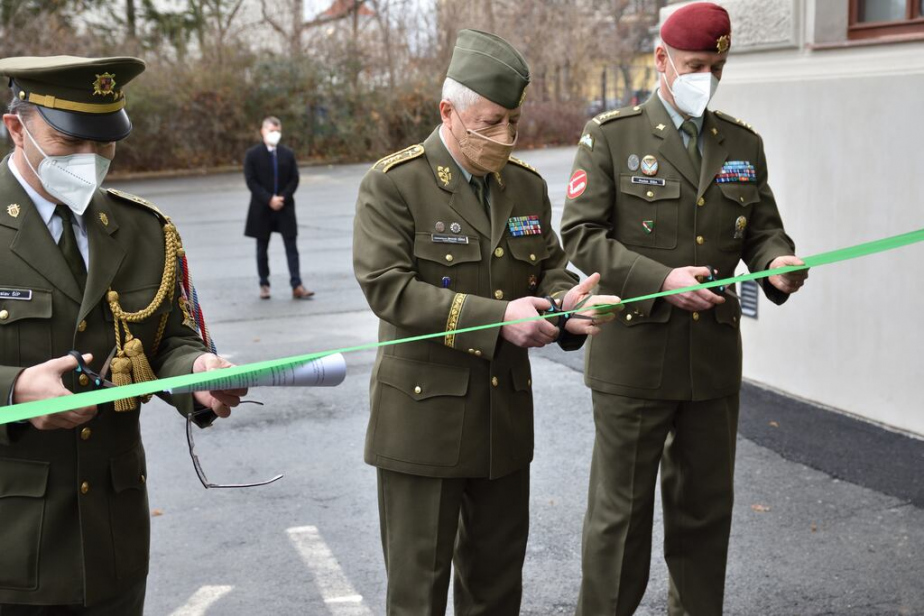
column 692, row 91
column 273, row 137
column 71, row 179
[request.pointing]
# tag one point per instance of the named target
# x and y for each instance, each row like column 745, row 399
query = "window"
column 878, row 18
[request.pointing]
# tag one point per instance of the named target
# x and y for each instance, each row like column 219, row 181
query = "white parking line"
column 202, row 600
column 336, row 590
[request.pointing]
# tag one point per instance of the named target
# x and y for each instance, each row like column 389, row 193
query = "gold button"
column 700, row 240
column 4, row 315
column 472, row 351
column 532, row 257
column 696, row 316
column 84, row 487
column 85, row 434
column 498, row 294
column 701, row 202
column 529, row 383
column 449, row 258
column 636, row 108
column 742, row 199
column 84, row 380
column 143, row 479
column 477, row 353
column 628, row 317
column 650, row 194
column 417, row 389
column 494, row 381
column 82, row 326
column 498, row 252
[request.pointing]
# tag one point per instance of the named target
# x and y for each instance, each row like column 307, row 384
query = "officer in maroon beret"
column 661, row 196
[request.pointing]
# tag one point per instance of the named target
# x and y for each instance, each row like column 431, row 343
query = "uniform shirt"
column 55, row 224
column 678, row 120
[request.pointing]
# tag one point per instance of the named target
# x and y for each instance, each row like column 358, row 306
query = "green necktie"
column 69, row 248
column 689, row 127
column 479, row 185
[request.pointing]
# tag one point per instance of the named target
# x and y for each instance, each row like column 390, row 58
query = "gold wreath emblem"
column 444, row 174
column 723, row 43
column 104, row 85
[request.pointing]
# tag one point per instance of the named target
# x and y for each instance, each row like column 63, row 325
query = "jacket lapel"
column 671, row 147
column 501, row 207
column 449, row 177
column 714, row 153
column 106, row 254
column 33, row 243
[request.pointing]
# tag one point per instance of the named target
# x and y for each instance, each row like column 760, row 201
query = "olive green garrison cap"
column 490, row 66
column 80, row 97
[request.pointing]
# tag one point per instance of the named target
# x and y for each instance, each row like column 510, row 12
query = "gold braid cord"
column 130, row 363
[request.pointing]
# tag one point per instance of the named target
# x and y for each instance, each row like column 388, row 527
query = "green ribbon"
column 28, row 410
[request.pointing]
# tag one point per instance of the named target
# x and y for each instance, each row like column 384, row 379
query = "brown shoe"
column 264, row 291
column 300, row 292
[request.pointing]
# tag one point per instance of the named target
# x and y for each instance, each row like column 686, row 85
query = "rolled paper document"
column 327, row 371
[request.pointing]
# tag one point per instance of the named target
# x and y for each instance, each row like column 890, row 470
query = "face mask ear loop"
column 35, row 143
column 676, row 72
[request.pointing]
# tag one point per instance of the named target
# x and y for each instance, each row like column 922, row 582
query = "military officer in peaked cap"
column 450, row 234
column 83, row 268
column 662, row 196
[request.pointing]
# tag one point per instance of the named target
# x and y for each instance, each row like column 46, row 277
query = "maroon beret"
column 702, row 26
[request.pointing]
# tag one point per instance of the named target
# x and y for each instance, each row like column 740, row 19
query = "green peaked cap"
column 490, row 66
column 80, row 97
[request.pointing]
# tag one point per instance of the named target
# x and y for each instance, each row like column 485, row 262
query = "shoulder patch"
column 626, row 112
column 384, row 164
column 736, row 121
column 120, row 194
column 524, row 164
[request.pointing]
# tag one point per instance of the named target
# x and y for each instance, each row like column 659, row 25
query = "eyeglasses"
column 198, row 465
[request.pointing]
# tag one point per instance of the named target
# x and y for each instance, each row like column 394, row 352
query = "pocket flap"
column 649, row 192
column 529, row 249
column 128, row 470
column 445, row 253
column 742, row 194
column 37, row 307
column 27, row 478
column 520, row 375
column 422, row 380
column 728, row 313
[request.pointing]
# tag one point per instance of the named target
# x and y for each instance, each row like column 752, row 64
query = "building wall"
column 843, row 129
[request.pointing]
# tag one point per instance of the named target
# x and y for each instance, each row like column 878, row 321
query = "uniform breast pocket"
column 25, row 327
column 450, row 261
column 735, row 212
column 647, row 213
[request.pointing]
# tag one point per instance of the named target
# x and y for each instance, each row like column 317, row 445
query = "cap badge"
column 444, row 174
column 104, row 85
column 13, row 209
column 723, row 43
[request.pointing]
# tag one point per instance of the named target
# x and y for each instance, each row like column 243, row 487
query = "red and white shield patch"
column 577, row 184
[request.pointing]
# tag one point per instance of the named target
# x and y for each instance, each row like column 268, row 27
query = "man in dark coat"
column 272, row 177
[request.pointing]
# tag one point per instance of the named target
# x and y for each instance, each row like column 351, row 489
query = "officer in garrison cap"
column 450, row 234
column 662, row 196
column 83, row 269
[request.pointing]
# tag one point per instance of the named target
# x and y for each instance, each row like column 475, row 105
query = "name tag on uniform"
column 19, row 294
column 438, row 238
column 637, row 179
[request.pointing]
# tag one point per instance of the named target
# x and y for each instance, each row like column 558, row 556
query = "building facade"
column 836, row 90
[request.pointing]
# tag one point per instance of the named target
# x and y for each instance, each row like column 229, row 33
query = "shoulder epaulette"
column 736, row 121
column 121, row 194
column 384, row 164
column 626, row 112
column 524, row 164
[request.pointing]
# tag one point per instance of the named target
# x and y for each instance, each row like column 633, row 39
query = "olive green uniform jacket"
column 459, row 405
column 74, row 518
column 634, row 232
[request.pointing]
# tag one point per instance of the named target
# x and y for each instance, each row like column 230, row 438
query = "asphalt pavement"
column 828, row 515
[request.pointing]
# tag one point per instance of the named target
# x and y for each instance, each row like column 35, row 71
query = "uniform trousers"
column 478, row 527
column 694, row 445
column 128, row 603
